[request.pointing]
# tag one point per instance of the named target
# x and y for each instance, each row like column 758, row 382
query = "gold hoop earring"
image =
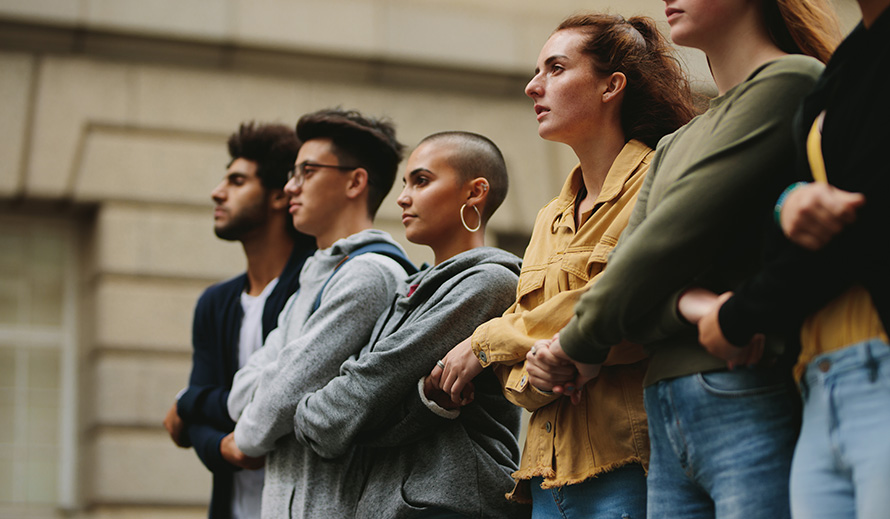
column 467, row 227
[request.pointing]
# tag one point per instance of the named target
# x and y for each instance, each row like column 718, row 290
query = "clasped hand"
column 701, row 307
column 231, row 453
column 550, row 369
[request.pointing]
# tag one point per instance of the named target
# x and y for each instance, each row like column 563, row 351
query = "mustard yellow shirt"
column 568, row 444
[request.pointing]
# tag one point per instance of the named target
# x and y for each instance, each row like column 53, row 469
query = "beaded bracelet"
column 777, row 210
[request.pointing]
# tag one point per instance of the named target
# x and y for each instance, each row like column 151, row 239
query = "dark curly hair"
column 273, row 147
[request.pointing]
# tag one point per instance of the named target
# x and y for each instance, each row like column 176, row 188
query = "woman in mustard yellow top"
column 610, row 89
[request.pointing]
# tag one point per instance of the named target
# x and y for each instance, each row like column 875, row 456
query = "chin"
column 413, row 238
column 301, row 226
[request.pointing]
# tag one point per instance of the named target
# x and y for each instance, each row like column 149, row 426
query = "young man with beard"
column 345, row 168
column 233, row 318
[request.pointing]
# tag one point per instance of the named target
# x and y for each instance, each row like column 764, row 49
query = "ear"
column 357, row 184
column 615, row 87
column 278, row 201
column 477, row 192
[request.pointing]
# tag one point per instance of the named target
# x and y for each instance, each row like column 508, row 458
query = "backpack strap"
column 387, row 249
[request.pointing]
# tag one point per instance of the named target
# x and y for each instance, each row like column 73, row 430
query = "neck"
column 596, row 156
column 349, row 221
column 872, row 10
column 461, row 242
column 740, row 51
column 267, row 255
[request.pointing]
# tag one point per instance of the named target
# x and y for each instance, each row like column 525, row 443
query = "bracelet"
column 777, row 210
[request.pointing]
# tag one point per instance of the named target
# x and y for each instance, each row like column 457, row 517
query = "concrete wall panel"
column 164, row 241
column 137, row 389
column 142, row 314
column 15, row 90
column 143, row 467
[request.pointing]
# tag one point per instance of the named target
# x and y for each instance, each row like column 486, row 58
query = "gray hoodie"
column 301, row 356
column 410, row 458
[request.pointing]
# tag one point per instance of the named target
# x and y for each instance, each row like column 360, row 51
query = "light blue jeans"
column 619, row 494
column 721, row 445
column 841, row 465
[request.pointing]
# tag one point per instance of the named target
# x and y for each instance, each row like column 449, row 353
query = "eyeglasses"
column 300, row 172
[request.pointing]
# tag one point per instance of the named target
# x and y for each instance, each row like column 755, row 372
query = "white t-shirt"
column 248, row 488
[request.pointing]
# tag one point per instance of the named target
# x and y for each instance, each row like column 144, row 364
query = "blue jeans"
column 841, row 465
column 721, row 445
column 619, row 494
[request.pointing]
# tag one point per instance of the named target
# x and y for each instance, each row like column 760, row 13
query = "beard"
column 242, row 222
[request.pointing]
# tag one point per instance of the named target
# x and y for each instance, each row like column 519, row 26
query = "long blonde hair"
column 803, row 27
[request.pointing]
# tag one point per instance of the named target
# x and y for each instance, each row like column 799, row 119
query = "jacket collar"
column 626, row 163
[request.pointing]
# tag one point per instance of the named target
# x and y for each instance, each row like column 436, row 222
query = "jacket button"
column 548, row 427
column 483, row 357
column 824, row 365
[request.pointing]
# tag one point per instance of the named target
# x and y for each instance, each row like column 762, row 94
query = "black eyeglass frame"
column 298, row 172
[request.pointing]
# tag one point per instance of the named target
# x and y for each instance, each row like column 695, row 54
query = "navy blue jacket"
column 215, row 333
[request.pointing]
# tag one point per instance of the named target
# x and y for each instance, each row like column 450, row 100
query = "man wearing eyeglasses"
column 345, row 168
column 233, row 317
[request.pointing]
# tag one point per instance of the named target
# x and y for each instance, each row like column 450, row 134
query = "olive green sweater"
column 699, row 220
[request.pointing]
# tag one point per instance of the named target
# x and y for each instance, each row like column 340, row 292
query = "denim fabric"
column 619, row 494
column 721, row 445
column 841, row 465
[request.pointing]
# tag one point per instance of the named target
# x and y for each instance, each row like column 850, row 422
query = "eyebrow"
column 414, row 173
column 418, row 171
column 551, row 59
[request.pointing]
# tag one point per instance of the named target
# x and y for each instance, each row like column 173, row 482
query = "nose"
column 219, row 194
column 404, row 200
column 534, row 89
column 291, row 188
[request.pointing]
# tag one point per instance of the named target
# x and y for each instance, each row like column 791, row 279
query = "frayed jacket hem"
column 521, row 492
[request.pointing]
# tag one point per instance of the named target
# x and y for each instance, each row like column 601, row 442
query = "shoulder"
column 495, row 279
column 771, row 93
column 788, row 70
column 794, row 64
column 370, row 270
column 223, row 291
column 493, row 269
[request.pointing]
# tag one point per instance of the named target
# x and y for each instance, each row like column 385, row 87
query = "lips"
column 293, row 207
column 406, row 217
column 671, row 11
column 540, row 111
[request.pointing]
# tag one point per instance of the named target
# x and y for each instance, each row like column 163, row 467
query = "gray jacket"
column 410, row 458
column 301, row 356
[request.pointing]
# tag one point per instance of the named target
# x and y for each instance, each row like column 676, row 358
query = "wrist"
column 777, row 210
column 735, row 331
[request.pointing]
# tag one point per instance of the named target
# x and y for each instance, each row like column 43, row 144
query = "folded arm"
column 335, row 331
column 373, row 398
column 731, row 181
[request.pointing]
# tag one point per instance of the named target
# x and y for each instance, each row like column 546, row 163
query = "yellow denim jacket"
column 567, row 444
